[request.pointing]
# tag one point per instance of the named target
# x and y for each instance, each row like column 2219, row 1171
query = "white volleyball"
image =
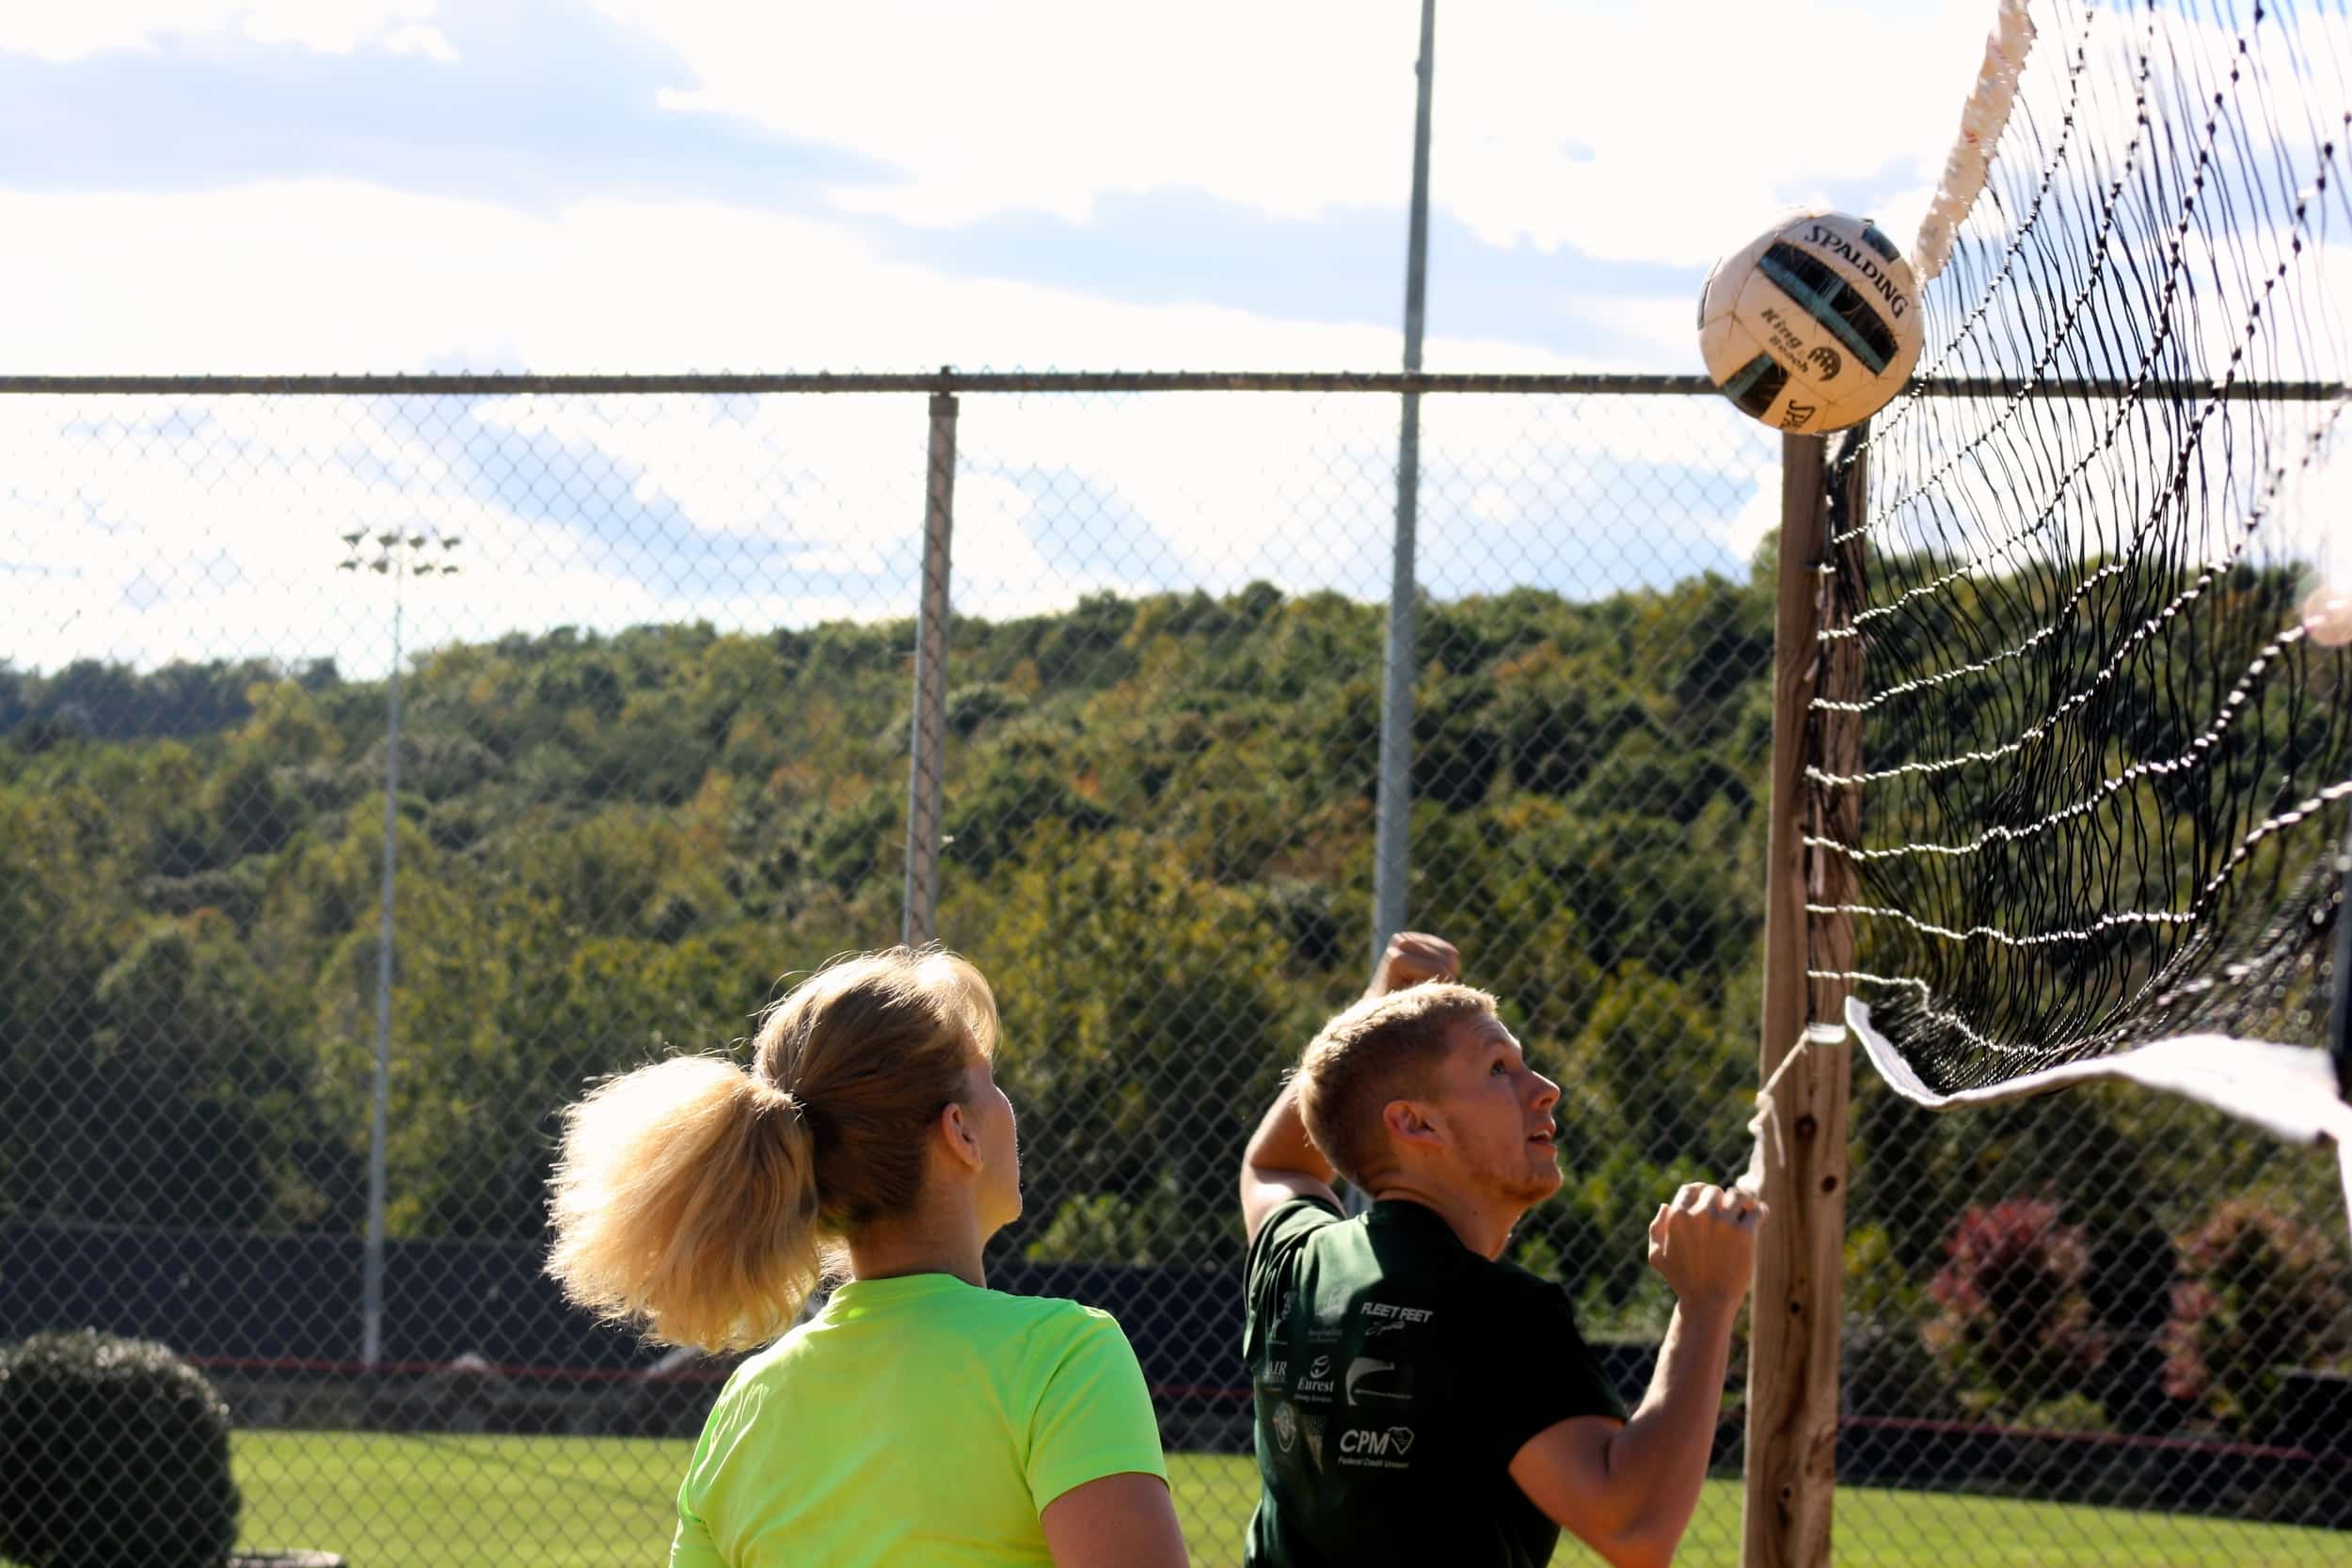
column 1812, row 325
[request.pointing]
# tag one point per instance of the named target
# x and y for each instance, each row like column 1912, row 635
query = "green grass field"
column 391, row 1501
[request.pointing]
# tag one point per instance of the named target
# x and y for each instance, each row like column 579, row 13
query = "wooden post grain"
column 1792, row 1356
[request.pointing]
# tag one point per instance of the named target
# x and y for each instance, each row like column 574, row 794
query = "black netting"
column 2082, row 768
column 2105, row 714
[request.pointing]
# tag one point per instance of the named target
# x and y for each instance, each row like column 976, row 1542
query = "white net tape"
column 1980, row 125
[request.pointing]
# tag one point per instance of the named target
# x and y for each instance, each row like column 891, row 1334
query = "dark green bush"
column 114, row 1453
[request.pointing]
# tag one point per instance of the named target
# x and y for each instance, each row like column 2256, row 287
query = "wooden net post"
column 1792, row 1355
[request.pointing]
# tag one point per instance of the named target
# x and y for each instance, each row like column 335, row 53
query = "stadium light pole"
column 399, row 557
column 1392, row 851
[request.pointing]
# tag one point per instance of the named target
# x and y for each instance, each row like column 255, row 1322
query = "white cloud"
column 1759, row 515
column 1646, row 133
column 419, row 38
column 69, row 32
column 195, row 528
column 1048, row 105
column 1619, row 133
column 330, row 276
column 1672, row 133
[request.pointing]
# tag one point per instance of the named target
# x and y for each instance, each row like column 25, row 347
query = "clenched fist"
column 1412, row 958
column 1704, row 1244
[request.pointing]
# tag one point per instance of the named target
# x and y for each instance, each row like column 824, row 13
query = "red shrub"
column 2257, row 1295
column 2016, row 1320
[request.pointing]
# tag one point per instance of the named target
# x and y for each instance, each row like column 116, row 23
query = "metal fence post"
column 927, row 764
column 1393, row 850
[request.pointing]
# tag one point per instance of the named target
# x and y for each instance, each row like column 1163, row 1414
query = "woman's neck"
column 943, row 1240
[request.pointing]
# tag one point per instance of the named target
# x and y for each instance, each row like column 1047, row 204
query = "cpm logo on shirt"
column 1377, row 1443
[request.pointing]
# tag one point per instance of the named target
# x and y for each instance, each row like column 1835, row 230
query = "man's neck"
column 1481, row 1227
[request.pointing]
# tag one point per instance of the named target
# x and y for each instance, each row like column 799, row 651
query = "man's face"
column 1496, row 1112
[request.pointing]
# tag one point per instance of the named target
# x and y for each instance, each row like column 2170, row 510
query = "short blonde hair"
column 696, row 1200
column 1383, row 1048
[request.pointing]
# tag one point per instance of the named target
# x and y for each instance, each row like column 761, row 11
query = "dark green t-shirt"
column 1395, row 1373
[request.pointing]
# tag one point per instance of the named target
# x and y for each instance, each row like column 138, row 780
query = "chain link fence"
column 640, row 663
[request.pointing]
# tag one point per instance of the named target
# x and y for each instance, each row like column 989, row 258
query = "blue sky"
column 355, row 186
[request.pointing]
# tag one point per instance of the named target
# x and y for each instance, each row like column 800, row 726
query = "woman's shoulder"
column 761, row 1365
column 1053, row 1314
column 1053, row 1333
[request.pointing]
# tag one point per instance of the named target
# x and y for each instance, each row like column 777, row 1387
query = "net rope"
column 2085, row 782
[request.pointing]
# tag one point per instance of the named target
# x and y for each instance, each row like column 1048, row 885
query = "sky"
column 206, row 186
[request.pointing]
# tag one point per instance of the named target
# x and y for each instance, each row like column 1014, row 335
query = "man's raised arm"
column 1283, row 1161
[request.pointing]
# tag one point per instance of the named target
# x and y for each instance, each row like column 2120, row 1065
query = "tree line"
column 1158, row 833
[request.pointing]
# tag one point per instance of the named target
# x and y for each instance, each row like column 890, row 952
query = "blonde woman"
column 919, row 1417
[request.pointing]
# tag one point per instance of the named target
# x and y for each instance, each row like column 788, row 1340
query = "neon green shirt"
column 918, row 1420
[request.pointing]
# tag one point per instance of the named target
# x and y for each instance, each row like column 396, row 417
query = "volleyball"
column 1814, row 324
column 2328, row 617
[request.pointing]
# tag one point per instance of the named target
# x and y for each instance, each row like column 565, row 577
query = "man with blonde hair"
column 1417, row 1399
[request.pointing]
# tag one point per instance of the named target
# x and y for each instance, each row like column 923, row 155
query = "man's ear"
column 1409, row 1122
column 962, row 1140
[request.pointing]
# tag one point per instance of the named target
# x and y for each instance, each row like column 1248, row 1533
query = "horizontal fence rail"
column 1602, row 383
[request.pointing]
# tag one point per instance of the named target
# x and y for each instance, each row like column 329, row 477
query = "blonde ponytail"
column 685, row 1201
column 696, row 1200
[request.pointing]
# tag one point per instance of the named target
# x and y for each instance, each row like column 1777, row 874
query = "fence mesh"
column 653, row 760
